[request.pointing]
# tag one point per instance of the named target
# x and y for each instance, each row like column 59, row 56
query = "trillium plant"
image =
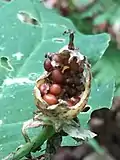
column 64, row 92
column 60, row 94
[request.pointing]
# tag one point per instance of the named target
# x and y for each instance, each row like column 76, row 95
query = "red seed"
column 47, row 65
column 44, row 88
column 50, row 99
column 55, row 89
column 57, row 76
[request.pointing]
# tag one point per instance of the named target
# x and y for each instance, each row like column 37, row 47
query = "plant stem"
column 53, row 144
column 35, row 143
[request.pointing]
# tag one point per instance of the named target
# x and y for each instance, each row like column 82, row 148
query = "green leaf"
column 100, row 19
column 3, row 2
column 78, row 132
column 68, row 141
column 101, row 96
column 25, row 46
column 108, row 67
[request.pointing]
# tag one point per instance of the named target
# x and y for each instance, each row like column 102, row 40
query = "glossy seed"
column 47, row 65
column 55, row 89
column 57, row 76
column 44, row 88
column 50, row 99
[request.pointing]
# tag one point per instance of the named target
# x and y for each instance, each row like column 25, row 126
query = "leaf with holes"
column 27, row 32
column 101, row 96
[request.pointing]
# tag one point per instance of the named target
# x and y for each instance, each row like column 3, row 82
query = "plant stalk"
column 35, row 143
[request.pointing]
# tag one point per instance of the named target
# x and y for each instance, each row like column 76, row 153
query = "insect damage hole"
column 25, row 17
column 5, row 63
column 58, row 40
column 7, row 0
column 86, row 109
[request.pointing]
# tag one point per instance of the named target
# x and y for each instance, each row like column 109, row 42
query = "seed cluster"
column 65, row 80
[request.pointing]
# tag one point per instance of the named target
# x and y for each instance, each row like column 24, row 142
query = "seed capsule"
column 61, row 67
